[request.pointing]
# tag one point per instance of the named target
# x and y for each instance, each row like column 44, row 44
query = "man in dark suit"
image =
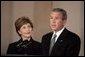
column 60, row 42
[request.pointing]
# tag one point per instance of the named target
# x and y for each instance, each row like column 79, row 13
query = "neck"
column 59, row 29
column 26, row 38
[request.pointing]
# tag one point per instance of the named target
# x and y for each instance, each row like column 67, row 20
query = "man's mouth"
column 53, row 25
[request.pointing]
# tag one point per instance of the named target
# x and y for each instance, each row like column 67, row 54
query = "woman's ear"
column 19, row 31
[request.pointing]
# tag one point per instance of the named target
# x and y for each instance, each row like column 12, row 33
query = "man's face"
column 56, row 22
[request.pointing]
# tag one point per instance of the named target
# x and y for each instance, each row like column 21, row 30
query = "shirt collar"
column 58, row 33
column 21, row 40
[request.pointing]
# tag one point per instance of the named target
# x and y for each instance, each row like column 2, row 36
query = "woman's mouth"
column 27, row 33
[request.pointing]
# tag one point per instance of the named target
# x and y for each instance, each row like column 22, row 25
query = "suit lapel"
column 60, row 39
column 62, row 36
column 48, row 41
column 49, row 37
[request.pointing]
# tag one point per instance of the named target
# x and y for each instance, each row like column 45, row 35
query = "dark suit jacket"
column 68, row 44
column 24, row 48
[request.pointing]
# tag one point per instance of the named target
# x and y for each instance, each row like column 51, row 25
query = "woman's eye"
column 24, row 27
column 28, row 26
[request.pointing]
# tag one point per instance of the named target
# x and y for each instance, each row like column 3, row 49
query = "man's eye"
column 56, row 18
column 51, row 18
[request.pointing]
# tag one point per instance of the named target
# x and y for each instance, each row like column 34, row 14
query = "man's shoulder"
column 72, row 35
column 47, row 34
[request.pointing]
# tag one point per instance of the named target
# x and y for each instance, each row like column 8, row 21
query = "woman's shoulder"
column 14, row 43
column 36, row 42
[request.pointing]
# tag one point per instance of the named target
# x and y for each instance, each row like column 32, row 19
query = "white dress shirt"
column 58, row 33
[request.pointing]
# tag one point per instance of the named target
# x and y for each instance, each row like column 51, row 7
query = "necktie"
column 52, row 43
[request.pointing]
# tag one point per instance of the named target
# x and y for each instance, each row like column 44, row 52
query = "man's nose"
column 53, row 20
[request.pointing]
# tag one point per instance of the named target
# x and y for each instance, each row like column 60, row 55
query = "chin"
column 54, row 29
column 27, row 36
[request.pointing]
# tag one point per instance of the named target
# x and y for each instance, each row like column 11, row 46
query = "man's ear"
column 64, row 22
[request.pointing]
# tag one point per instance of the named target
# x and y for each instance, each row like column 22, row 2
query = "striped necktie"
column 52, row 43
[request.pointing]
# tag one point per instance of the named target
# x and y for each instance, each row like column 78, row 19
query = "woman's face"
column 25, row 31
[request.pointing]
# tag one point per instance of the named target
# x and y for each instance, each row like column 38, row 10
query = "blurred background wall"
column 38, row 12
